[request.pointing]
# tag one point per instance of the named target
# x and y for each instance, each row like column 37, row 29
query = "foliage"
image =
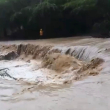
column 56, row 17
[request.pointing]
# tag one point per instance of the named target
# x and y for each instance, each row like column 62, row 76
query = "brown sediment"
column 35, row 50
column 65, row 65
column 7, row 48
column 92, row 68
column 60, row 63
column 52, row 59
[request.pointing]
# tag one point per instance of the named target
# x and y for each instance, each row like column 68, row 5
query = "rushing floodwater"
column 93, row 93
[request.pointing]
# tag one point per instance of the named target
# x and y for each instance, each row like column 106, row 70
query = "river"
column 91, row 93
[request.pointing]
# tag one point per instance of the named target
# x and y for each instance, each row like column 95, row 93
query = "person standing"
column 41, row 32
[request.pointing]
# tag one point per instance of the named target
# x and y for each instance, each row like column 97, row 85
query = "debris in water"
column 3, row 73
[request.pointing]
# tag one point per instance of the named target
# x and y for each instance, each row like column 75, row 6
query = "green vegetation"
column 56, row 17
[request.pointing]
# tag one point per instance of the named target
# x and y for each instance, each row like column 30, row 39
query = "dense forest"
column 22, row 19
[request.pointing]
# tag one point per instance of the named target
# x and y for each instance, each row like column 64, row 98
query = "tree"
column 56, row 17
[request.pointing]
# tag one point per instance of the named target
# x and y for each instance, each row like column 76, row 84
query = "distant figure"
column 41, row 32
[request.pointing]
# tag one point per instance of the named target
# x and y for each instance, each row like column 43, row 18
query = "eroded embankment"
column 56, row 64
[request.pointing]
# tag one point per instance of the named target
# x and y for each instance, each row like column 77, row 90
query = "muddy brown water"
column 92, row 93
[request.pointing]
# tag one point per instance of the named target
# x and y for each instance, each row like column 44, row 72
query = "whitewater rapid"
column 86, row 94
column 25, row 63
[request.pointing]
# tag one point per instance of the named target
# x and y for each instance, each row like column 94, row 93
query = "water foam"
column 22, row 70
